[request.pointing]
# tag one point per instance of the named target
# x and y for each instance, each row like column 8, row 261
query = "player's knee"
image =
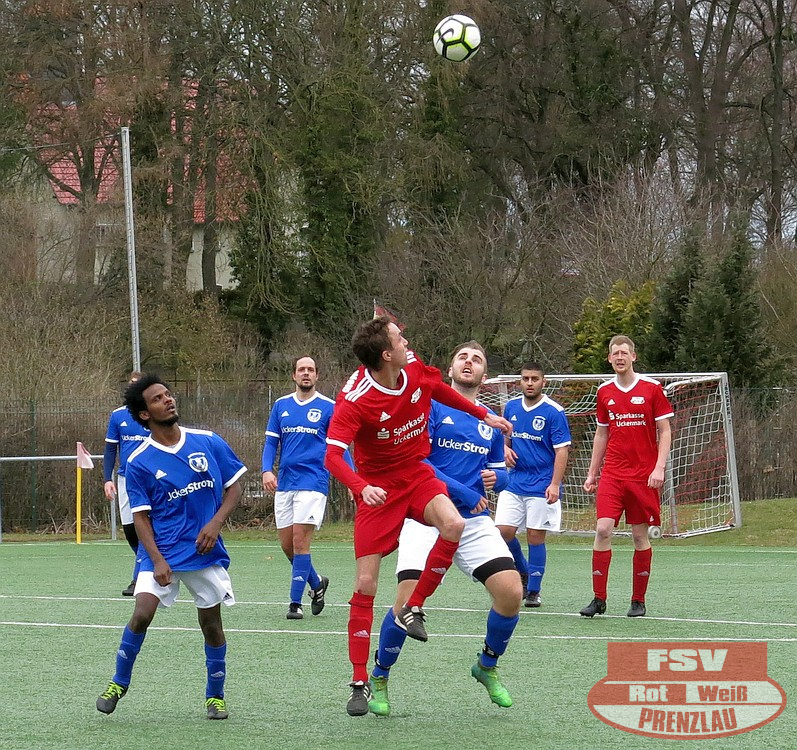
column 451, row 528
column 365, row 583
column 603, row 532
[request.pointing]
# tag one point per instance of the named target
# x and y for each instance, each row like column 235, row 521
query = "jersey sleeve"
column 272, row 440
column 560, row 431
column 112, row 433
column 231, row 467
column 138, row 491
column 461, row 494
column 343, row 427
column 662, row 408
column 602, row 411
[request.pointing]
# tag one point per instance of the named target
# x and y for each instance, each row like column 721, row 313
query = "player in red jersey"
column 384, row 410
column 632, row 442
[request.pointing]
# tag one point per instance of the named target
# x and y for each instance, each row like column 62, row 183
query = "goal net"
column 700, row 493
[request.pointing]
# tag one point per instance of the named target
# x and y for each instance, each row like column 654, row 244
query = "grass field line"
column 466, row 610
column 342, row 633
column 337, row 545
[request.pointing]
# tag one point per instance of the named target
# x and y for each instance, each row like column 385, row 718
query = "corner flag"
column 83, row 457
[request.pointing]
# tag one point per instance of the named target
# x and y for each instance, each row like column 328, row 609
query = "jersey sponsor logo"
column 159, row 474
column 134, row 438
column 632, row 419
column 526, row 436
column 191, row 487
column 637, row 400
column 485, row 431
column 384, row 417
column 687, row 691
column 300, row 428
column 457, row 445
column 314, row 415
column 198, row 461
column 415, row 396
column 538, row 423
column 448, row 420
column 383, row 434
column 410, row 429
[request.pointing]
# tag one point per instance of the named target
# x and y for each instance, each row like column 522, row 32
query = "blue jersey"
column 126, row 433
column 300, row 430
column 181, row 486
column 462, row 446
column 537, row 432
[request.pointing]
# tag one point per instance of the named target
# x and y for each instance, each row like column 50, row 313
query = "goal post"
column 701, row 491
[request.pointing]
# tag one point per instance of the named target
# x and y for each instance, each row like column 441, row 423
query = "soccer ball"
column 456, row 38
column 654, row 532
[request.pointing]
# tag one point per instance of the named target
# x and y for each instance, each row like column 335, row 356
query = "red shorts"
column 377, row 527
column 639, row 502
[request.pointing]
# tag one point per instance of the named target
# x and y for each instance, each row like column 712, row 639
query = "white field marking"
column 348, row 546
column 277, row 631
column 466, row 610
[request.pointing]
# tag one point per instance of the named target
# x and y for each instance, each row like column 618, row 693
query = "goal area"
column 700, row 493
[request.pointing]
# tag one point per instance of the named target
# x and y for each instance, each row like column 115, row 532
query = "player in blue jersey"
column 536, row 455
column 123, row 435
column 297, row 426
column 468, row 456
column 183, row 485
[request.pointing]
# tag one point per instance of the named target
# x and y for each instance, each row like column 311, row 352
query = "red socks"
column 642, row 559
column 437, row 564
column 600, row 572
column 361, row 617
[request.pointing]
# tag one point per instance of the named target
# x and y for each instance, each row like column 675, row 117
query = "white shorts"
column 299, row 506
column 526, row 510
column 209, row 586
column 481, row 543
column 125, row 514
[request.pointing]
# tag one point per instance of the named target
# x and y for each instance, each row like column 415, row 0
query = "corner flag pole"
column 83, row 462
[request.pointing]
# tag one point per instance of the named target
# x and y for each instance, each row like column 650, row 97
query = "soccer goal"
column 701, row 490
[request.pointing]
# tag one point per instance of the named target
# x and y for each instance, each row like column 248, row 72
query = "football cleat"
column 637, row 609
column 379, row 703
column 488, row 676
column 106, row 703
column 358, row 698
column 533, row 599
column 317, row 596
column 294, row 611
column 130, row 590
column 411, row 619
column 595, row 607
column 217, row 708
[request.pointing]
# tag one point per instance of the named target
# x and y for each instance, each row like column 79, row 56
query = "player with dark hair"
column 124, row 435
column 297, row 427
column 536, row 455
column 629, row 450
column 183, row 485
column 384, row 410
column 469, row 456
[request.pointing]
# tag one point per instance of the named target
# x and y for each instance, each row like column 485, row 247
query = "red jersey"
column 387, row 426
column 631, row 415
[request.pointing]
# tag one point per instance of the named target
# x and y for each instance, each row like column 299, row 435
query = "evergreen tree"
column 624, row 312
column 670, row 303
column 722, row 326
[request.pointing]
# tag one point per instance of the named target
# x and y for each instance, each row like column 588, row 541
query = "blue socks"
column 499, row 631
column 517, row 553
column 126, row 656
column 391, row 639
column 217, row 670
column 313, row 579
column 537, row 557
column 300, row 570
